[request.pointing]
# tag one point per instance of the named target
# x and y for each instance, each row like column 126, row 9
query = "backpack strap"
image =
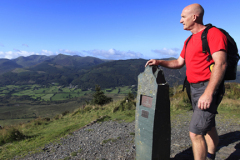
column 188, row 41
column 186, row 85
column 185, row 81
column 205, row 47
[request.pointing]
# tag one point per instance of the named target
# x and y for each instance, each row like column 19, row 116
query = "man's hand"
column 152, row 62
column 218, row 71
column 204, row 101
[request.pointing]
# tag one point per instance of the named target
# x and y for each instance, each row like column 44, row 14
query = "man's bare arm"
column 174, row 64
column 220, row 59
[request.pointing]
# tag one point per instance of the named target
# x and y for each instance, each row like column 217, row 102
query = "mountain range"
column 85, row 72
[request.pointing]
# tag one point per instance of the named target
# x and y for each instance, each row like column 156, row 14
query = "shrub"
column 65, row 113
column 59, row 116
column 125, row 104
column 40, row 121
column 46, row 119
column 10, row 135
column 99, row 98
column 232, row 90
column 180, row 101
column 130, row 96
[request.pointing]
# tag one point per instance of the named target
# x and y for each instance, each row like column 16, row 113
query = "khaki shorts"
column 203, row 120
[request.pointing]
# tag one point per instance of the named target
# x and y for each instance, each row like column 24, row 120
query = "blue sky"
column 107, row 29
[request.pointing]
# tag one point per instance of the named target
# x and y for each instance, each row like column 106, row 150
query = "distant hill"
column 7, row 65
column 34, row 60
column 123, row 72
column 31, row 60
column 75, row 61
column 85, row 72
column 61, row 68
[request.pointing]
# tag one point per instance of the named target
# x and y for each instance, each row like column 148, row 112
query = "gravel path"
column 115, row 141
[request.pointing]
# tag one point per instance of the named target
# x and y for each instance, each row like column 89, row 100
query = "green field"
column 55, row 92
column 26, row 102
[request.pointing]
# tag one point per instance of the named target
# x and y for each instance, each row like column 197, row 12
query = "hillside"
column 75, row 61
column 61, row 68
column 30, row 60
column 85, row 72
column 7, row 65
column 62, row 60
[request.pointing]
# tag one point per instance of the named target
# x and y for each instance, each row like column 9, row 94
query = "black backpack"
column 232, row 56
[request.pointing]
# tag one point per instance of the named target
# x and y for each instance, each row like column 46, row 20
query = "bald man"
column 207, row 86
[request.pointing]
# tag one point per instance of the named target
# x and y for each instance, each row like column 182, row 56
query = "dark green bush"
column 65, row 113
column 127, row 103
column 11, row 135
column 99, row 98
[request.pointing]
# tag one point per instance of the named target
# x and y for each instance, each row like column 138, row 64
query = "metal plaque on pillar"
column 152, row 124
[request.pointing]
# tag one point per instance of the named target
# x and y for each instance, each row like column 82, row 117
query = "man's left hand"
column 204, row 101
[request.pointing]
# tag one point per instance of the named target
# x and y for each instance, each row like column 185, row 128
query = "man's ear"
column 194, row 18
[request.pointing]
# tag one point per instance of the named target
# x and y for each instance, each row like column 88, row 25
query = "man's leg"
column 212, row 140
column 203, row 123
column 199, row 146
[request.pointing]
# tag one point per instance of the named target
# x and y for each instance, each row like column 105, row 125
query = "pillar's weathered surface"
column 152, row 124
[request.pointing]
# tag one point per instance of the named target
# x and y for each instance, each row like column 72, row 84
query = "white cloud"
column 17, row 53
column 9, row 54
column 167, row 52
column 104, row 54
column 114, row 54
column 66, row 51
column 45, row 52
column 26, row 53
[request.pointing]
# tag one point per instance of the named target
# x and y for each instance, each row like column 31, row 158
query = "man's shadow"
column 236, row 154
column 224, row 140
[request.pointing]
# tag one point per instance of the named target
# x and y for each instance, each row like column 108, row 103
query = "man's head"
column 191, row 15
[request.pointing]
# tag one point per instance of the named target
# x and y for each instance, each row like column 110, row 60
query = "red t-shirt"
column 197, row 66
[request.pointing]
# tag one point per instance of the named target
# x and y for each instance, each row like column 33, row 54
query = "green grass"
column 19, row 70
column 67, row 89
column 5, row 91
column 60, row 93
column 47, row 97
column 230, row 109
column 23, row 112
column 60, row 96
column 40, row 91
column 108, row 140
column 15, row 121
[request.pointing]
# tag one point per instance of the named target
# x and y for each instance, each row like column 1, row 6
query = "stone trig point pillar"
column 152, row 126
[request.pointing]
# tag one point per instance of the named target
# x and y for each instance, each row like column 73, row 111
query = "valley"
column 22, row 103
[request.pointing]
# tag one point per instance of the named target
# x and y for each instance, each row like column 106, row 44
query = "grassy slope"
column 41, row 131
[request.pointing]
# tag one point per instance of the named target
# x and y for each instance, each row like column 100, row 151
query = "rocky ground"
column 115, row 141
